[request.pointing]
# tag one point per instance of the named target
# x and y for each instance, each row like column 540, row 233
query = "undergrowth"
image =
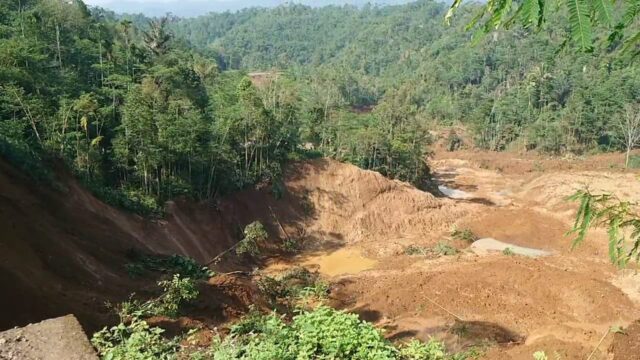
column 176, row 292
column 254, row 233
column 294, row 287
column 322, row 333
column 440, row 249
column 464, row 235
column 167, row 264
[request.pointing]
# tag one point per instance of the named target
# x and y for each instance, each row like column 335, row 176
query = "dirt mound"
column 349, row 205
column 625, row 344
column 552, row 189
column 53, row 339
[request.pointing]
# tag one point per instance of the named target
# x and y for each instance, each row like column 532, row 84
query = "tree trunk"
column 626, row 161
column 58, row 44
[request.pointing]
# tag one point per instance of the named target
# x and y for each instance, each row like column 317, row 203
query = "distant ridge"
column 193, row 8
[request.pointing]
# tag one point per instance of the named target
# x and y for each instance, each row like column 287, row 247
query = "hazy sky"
column 201, row 7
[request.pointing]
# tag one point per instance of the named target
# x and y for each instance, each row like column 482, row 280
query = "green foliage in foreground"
column 135, row 341
column 584, row 16
column 464, row 235
column 254, row 233
column 621, row 219
column 322, row 333
column 294, row 287
column 172, row 264
column 175, row 292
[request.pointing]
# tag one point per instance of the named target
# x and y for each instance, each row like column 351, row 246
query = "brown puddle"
column 339, row 262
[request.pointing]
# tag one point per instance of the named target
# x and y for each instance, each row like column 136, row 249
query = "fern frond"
column 580, row 23
column 529, row 12
column 631, row 42
column 541, row 8
column 501, row 10
column 604, row 11
column 452, row 10
column 583, row 217
column 614, row 237
column 632, row 11
column 475, row 19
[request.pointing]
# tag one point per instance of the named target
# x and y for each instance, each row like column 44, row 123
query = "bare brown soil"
column 65, row 252
column 512, row 305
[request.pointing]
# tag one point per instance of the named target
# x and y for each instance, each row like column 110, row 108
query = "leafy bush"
column 445, row 249
column 129, row 199
column 464, row 235
column 172, row 264
column 136, row 341
column 416, row 350
column 175, row 292
column 253, row 234
column 508, row 252
column 290, row 245
column 323, row 333
column 293, row 286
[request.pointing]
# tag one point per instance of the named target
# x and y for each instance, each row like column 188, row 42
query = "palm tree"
column 157, row 38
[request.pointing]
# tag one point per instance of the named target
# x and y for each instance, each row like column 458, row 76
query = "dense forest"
column 519, row 88
column 144, row 110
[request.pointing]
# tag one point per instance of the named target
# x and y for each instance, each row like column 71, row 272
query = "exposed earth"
column 65, row 252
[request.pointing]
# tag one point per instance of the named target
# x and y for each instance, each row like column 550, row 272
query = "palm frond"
column 603, row 10
column 580, row 23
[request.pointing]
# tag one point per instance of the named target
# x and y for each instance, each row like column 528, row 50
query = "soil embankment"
column 64, row 252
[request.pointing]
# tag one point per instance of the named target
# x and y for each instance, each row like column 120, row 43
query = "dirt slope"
column 64, row 251
column 349, row 205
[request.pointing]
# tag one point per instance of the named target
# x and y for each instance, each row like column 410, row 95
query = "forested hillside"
column 522, row 85
column 147, row 111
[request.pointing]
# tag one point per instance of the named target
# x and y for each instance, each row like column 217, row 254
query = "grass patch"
column 442, row 248
column 634, row 162
column 294, row 288
column 465, row 235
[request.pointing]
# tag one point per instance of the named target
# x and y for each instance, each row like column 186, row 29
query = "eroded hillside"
column 64, row 251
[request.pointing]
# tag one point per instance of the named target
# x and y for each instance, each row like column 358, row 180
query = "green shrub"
column 290, row 245
column 293, row 286
column 416, row 350
column 323, row 333
column 444, row 249
column 253, row 234
column 129, row 199
column 508, row 252
column 464, row 235
column 171, row 264
column 175, row 292
column 136, row 341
